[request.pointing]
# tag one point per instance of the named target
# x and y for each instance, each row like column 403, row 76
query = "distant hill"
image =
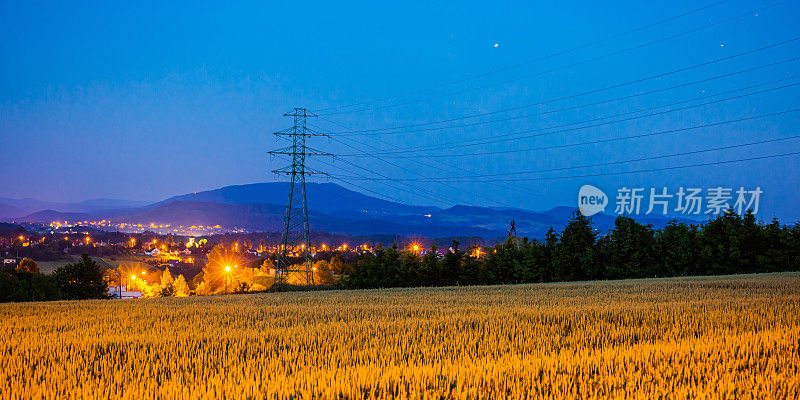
column 9, row 211
column 47, row 216
column 332, row 209
column 188, row 213
column 19, row 207
column 269, row 217
column 322, row 197
column 111, row 204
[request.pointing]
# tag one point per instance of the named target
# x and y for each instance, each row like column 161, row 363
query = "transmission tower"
column 512, row 232
column 296, row 238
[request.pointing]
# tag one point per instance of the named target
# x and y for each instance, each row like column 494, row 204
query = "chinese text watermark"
column 684, row 201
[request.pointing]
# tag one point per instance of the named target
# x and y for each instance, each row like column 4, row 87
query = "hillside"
column 322, row 197
column 332, row 208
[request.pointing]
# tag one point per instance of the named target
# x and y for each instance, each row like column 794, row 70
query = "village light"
column 227, row 277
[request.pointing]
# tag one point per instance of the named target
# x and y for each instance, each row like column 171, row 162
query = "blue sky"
column 143, row 101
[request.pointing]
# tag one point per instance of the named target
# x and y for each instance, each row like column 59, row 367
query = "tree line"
column 728, row 244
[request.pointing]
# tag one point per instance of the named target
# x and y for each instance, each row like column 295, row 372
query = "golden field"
column 726, row 337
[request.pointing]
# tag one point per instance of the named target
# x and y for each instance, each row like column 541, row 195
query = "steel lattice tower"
column 296, row 237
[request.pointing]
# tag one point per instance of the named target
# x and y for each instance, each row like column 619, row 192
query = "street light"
column 227, row 276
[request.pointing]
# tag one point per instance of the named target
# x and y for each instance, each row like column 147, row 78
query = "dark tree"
column 82, row 280
column 676, row 249
column 451, row 265
column 629, row 250
column 575, row 257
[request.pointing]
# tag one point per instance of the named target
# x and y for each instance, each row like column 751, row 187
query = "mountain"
column 9, row 211
column 111, row 204
column 188, row 213
column 269, row 217
column 332, row 209
column 47, row 216
column 19, row 207
column 322, row 197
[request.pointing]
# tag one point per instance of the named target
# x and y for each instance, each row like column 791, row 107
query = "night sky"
column 144, row 100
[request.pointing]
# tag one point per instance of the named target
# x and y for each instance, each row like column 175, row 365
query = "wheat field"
column 727, row 337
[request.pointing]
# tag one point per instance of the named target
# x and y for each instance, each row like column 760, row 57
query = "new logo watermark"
column 591, row 200
column 684, row 201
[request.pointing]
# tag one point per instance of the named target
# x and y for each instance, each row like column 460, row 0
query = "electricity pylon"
column 296, row 237
column 512, row 232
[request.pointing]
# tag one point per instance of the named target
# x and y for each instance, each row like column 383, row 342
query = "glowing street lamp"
column 227, row 276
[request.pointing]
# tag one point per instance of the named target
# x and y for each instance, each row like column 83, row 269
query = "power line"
column 452, row 167
column 354, row 199
column 422, row 175
column 628, row 83
column 564, row 66
column 431, row 196
column 614, row 139
column 522, row 64
column 636, row 171
column 384, row 131
column 459, row 178
column 516, row 135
